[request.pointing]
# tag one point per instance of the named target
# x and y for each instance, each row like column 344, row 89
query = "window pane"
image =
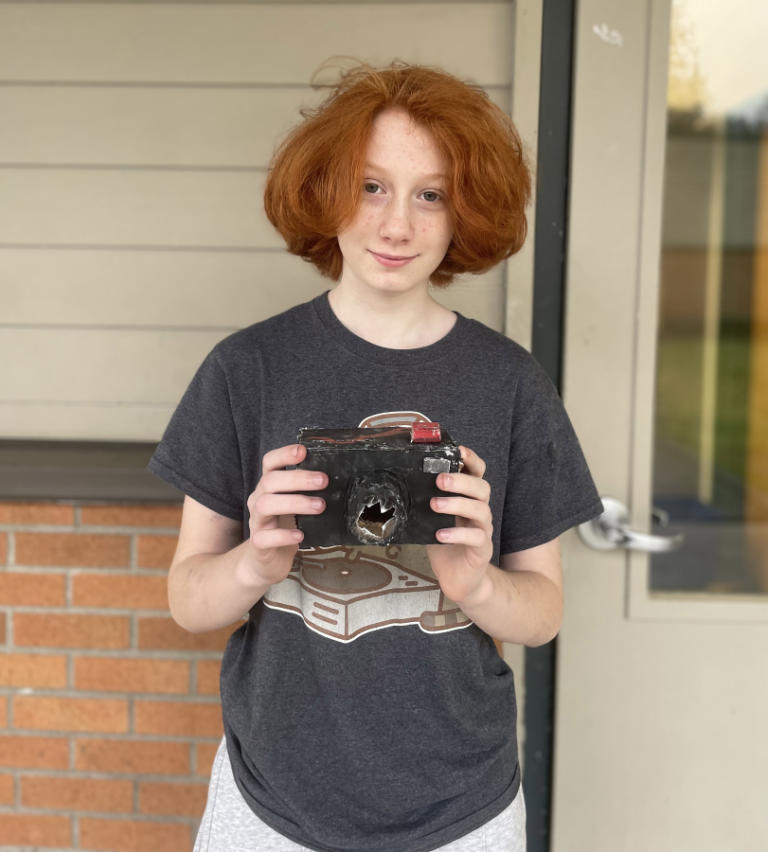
column 711, row 438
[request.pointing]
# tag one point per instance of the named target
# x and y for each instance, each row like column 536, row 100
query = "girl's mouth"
column 390, row 260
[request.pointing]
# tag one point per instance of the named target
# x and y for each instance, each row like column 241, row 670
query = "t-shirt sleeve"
column 549, row 486
column 199, row 452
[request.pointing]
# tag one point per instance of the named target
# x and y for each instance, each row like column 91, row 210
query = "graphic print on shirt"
column 345, row 592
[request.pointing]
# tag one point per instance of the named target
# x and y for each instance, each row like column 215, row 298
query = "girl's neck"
column 395, row 321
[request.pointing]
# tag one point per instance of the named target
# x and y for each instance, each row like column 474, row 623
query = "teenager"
column 365, row 706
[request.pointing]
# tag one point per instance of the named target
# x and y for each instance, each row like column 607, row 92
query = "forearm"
column 521, row 607
column 211, row 590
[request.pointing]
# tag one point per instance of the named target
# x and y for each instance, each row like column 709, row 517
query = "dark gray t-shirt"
column 363, row 711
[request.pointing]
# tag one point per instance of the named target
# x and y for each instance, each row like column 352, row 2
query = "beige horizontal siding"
column 146, row 125
column 89, row 365
column 133, row 150
column 108, row 207
column 273, row 44
column 136, row 373
column 73, row 421
column 174, row 289
column 171, row 126
column 151, row 288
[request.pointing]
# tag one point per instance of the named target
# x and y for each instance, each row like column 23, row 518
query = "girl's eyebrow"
column 431, row 176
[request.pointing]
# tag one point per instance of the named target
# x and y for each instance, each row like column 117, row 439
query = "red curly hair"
column 314, row 184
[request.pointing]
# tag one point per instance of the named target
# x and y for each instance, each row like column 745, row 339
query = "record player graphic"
column 344, row 592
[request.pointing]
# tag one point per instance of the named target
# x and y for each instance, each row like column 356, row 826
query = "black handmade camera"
column 380, row 481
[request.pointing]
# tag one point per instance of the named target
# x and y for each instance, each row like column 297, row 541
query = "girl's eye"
column 371, row 187
column 431, row 196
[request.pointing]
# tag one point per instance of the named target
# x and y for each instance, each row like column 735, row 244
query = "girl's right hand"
column 273, row 506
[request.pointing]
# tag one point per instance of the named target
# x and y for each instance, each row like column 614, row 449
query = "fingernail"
column 318, row 503
column 447, row 480
column 318, row 480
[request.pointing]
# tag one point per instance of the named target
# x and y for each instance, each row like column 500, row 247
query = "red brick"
column 59, row 630
column 7, row 790
column 204, row 758
column 120, row 591
column 28, row 513
column 3, row 548
column 156, row 551
column 25, row 589
column 77, row 794
column 35, row 830
column 132, row 756
column 178, row 718
column 2, row 629
column 164, row 634
column 110, row 675
column 49, row 713
column 121, row 835
column 208, row 676
column 33, row 670
column 4, row 712
column 169, row 799
column 86, row 550
column 144, row 515
column 34, row 752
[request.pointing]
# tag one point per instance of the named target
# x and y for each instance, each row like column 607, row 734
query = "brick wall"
column 109, row 712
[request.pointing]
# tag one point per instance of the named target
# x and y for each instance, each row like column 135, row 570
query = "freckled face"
column 403, row 226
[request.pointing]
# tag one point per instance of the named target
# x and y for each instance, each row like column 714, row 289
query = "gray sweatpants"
column 229, row 825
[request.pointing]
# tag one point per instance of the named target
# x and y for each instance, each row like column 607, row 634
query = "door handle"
column 610, row 531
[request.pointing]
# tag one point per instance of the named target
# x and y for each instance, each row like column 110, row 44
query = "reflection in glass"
column 711, row 421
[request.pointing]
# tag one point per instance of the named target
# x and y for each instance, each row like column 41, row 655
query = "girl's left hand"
column 461, row 562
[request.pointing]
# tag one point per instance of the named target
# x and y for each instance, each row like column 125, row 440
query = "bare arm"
column 209, row 584
column 215, row 578
column 520, row 602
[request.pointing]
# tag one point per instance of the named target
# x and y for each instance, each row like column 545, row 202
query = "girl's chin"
column 391, row 281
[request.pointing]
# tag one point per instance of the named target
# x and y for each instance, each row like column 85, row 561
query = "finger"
column 261, row 522
column 282, row 457
column 469, row 536
column 268, row 506
column 472, row 461
column 271, row 539
column 462, row 507
column 288, row 481
column 463, row 483
column 264, row 522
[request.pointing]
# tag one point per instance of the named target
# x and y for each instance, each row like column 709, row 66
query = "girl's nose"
column 396, row 221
